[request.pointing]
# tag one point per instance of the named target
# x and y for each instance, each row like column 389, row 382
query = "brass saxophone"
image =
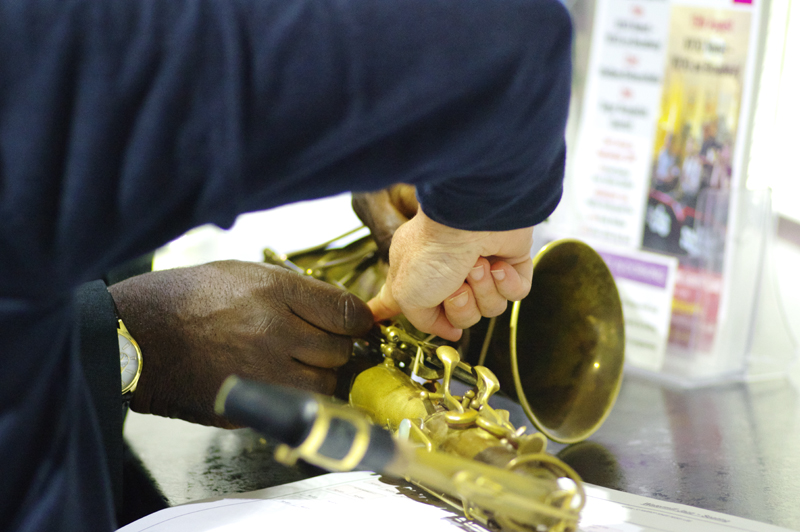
column 405, row 381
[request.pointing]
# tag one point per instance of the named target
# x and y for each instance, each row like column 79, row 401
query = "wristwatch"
column 130, row 361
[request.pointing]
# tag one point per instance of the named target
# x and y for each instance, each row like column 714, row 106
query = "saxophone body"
column 406, row 382
column 425, row 412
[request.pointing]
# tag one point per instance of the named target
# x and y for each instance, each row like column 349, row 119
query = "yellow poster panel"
column 698, row 121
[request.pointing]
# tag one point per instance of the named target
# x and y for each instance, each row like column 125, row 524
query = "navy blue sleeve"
column 124, row 123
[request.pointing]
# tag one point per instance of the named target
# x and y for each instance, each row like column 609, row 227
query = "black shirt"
column 124, row 123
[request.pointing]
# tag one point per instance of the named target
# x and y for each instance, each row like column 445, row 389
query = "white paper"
column 360, row 501
column 355, row 501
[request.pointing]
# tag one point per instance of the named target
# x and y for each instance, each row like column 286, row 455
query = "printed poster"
column 692, row 162
column 658, row 147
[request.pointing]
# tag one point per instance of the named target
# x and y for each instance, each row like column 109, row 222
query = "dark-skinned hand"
column 198, row 325
column 384, row 211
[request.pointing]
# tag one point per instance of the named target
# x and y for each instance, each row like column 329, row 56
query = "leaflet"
column 363, row 501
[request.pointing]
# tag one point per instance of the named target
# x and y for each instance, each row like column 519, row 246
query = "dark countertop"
column 731, row 448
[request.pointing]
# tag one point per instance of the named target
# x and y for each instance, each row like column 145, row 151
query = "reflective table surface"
column 731, row 448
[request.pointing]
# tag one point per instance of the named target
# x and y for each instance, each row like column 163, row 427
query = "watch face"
column 129, row 362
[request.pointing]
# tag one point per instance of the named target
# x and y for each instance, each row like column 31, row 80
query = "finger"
column 461, row 308
column 434, row 321
column 384, row 306
column 378, row 211
column 327, row 307
column 404, row 198
column 512, row 282
column 295, row 375
column 489, row 300
column 310, row 345
column 313, row 379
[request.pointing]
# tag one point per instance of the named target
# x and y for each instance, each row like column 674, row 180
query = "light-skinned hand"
column 443, row 279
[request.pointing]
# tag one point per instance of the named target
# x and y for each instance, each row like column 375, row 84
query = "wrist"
column 513, row 245
column 438, row 232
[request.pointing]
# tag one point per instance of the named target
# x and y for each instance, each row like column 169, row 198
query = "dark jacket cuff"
column 96, row 328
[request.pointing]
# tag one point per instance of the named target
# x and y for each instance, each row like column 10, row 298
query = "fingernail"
column 460, row 300
column 477, row 273
column 499, row 274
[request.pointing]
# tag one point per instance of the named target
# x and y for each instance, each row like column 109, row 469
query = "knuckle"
column 270, row 323
column 464, row 320
column 495, row 309
column 470, row 321
column 516, row 295
column 325, row 350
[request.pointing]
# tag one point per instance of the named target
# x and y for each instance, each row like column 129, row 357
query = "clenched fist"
column 443, row 279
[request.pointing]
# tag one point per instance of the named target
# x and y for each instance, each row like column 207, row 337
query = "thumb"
column 433, row 320
column 384, row 306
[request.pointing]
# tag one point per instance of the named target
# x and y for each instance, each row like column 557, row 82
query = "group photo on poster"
column 697, row 127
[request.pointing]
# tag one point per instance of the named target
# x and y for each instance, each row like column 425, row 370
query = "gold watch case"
column 130, row 359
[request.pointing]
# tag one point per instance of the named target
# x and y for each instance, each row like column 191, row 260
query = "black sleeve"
column 96, row 326
column 123, row 123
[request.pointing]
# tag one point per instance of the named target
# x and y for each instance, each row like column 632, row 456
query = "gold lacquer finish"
column 541, row 492
column 389, row 395
column 559, row 353
column 565, row 343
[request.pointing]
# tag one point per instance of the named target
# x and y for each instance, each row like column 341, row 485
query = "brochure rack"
column 727, row 322
column 659, row 142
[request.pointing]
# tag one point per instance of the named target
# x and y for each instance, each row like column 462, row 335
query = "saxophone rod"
column 338, row 437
